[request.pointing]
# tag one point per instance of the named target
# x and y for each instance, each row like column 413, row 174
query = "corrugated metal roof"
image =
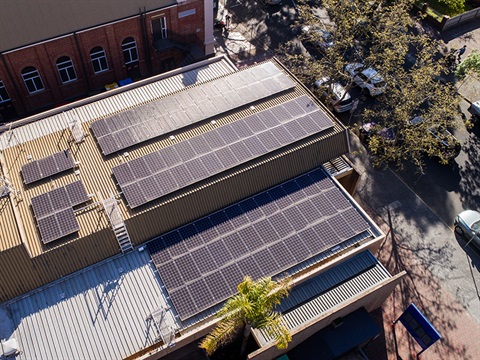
column 119, row 102
column 100, row 313
column 329, row 289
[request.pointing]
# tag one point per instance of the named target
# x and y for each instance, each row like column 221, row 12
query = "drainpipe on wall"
column 19, row 96
column 146, row 48
column 80, row 55
column 209, row 41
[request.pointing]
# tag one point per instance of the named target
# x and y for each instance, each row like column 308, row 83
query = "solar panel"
column 192, row 105
column 57, row 225
column 220, row 150
column 255, row 237
column 47, row 166
column 54, row 213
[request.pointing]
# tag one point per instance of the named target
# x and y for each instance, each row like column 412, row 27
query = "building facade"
column 42, row 69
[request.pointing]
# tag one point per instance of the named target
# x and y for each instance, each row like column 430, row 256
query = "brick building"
column 54, row 51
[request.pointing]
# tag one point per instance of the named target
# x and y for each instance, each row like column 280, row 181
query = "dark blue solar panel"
column 267, row 240
column 248, row 204
column 262, row 198
column 203, row 224
column 171, row 238
column 218, row 217
column 277, row 192
column 233, row 211
column 187, row 231
column 290, row 187
column 219, row 150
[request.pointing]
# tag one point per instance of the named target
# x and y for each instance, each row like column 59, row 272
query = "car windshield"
column 346, row 102
column 476, row 226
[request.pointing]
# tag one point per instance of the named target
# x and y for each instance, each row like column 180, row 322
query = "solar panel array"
column 202, row 263
column 160, row 173
column 198, row 103
column 47, row 166
column 54, row 211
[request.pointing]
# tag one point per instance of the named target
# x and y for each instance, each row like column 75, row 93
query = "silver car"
column 367, row 78
column 467, row 224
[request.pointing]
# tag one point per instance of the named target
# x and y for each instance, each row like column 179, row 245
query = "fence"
column 447, row 22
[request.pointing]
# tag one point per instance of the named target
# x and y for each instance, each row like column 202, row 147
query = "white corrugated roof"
column 118, row 100
column 100, row 313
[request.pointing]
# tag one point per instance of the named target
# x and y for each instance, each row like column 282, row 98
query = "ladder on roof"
column 116, row 221
column 75, row 126
column 165, row 330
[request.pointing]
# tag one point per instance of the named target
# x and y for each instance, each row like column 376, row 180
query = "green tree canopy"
column 252, row 307
column 471, row 65
column 383, row 35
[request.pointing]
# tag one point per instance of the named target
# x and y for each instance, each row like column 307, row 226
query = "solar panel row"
column 195, row 104
column 160, row 173
column 54, row 210
column 264, row 235
column 47, row 166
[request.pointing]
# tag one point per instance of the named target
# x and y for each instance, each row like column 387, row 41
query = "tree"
column 251, row 308
column 382, row 35
column 470, row 65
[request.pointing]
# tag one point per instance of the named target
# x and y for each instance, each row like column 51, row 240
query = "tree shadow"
column 425, row 290
column 263, row 25
column 469, row 186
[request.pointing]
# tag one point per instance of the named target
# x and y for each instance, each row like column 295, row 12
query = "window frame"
column 129, row 50
column 163, row 27
column 67, row 69
column 34, row 79
column 4, row 99
column 96, row 58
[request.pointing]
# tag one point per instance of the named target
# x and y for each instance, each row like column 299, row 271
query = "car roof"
column 340, row 91
column 372, row 74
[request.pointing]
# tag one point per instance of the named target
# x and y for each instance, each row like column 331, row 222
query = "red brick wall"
column 43, row 56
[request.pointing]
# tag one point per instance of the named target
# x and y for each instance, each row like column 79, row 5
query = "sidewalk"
column 425, row 251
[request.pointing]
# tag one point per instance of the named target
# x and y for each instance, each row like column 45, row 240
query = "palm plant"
column 251, row 308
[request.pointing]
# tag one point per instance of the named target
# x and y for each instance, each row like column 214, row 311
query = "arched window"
column 99, row 59
column 66, row 69
column 3, row 93
column 32, row 79
column 130, row 53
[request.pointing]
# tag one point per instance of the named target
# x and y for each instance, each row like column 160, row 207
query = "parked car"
column 467, row 224
column 335, row 93
column 474, row 109
column 371, row 128
column 449, row 145
column 367, row 78
column 317, row 37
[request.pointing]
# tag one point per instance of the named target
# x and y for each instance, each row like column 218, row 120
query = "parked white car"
column 339, row 98
column 367, row 78
column 467, row 224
